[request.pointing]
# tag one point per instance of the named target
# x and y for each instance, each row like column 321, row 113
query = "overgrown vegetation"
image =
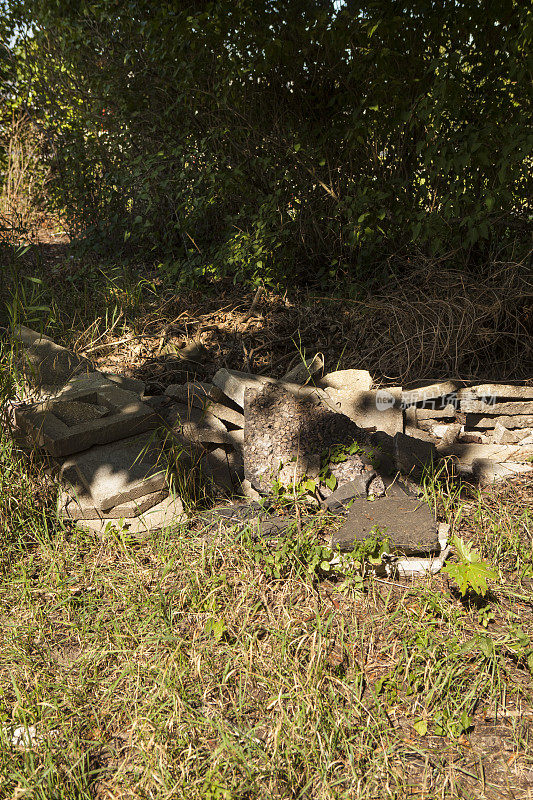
column 308, row 141
column 200, row 664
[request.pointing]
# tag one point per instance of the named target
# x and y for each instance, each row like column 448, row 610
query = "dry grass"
column 177, row 665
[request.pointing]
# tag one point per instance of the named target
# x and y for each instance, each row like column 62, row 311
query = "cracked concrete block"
column 284, row 436
column 114, row 474
column 85, row 413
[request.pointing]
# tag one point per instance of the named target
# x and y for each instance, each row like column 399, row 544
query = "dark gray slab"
column 407, row 522
column 285, row 436
column 414, row 455
column 114, row 474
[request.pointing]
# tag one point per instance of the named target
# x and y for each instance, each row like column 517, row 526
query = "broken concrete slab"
column 254, row 516
column 344, row 494
column 499, row 453
column 70, row 507
column 284, row 436
column 414, row 415
column 47, row 365
column 65, row 429
column 433, row 391
column 347, row 380
column 128, row 384
column 413, row 455
column 502, row 435
column 190, row 419
column 198, row 395
column 374, row 409
column 495, row 390
column 511, row 408
column 304, row 371
column 113, row 474
column 407, row 522
column 514, row 421
column 166, row 514
column 486, row 472
column 234, row 384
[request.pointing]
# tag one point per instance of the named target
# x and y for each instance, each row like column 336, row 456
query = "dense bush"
column 290, row 140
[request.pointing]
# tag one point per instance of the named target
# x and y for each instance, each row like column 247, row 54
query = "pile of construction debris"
column 120, row 454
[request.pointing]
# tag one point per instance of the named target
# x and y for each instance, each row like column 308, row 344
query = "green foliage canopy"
column 287, row 139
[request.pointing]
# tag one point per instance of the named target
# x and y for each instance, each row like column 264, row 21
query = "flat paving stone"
column 85, row 413
column 407, row 522
column 113, row 474
column 413, row 455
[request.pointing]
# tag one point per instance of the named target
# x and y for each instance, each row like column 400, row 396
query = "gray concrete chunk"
column 71, row 507
column 407, row 522
column 114, row 474
column 169, row 512
column 304, row 371
column 432, row 392
column 374, row 409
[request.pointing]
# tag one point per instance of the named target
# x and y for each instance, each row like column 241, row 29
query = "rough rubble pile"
column 121, row 454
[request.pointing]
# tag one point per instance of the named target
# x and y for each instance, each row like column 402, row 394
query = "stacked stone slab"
column 101, row 436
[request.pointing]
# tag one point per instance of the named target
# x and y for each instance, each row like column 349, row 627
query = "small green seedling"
column 470, row 573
